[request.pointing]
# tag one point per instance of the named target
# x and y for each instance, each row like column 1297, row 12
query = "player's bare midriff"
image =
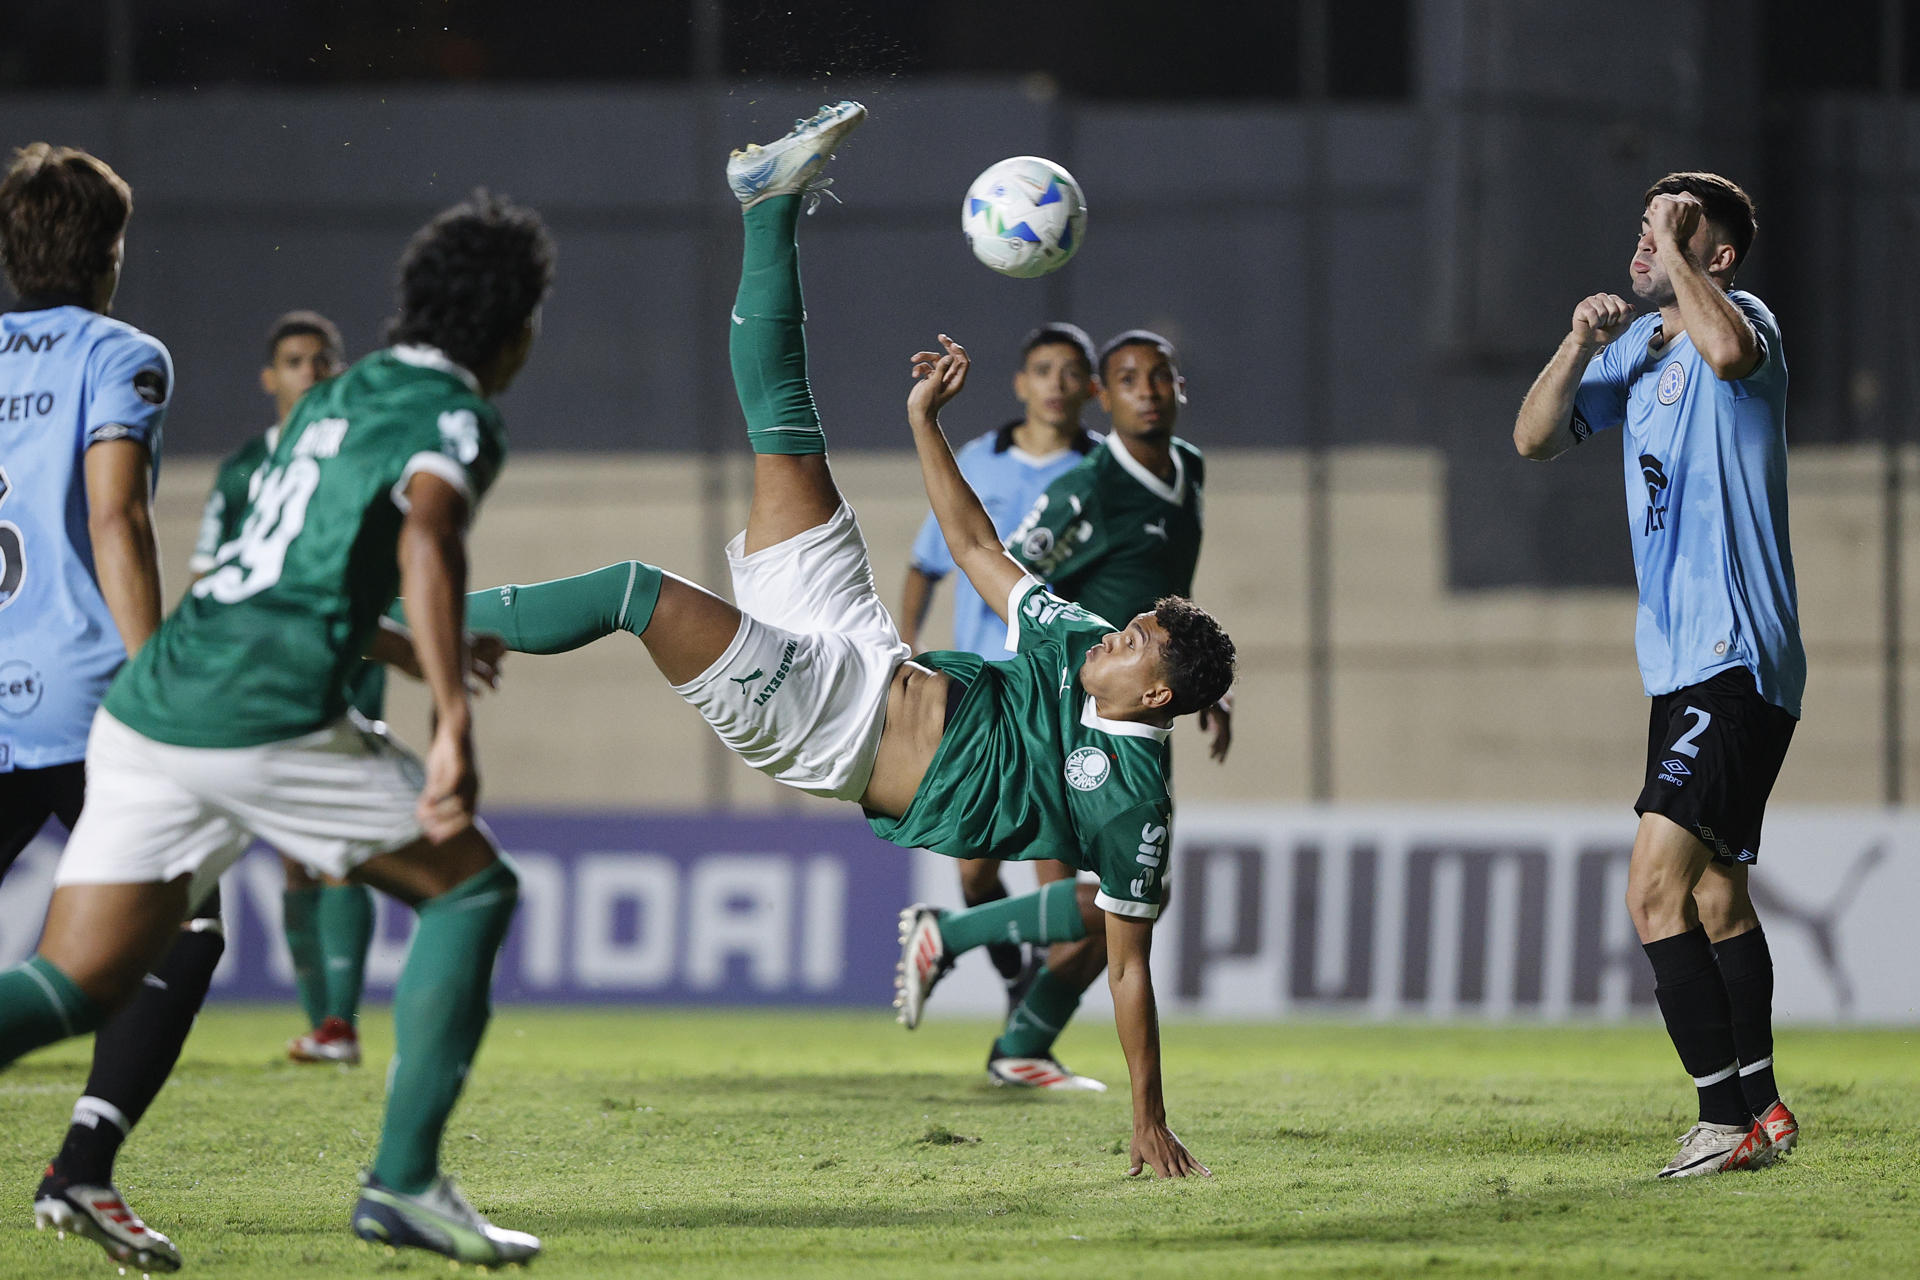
column 916, row 717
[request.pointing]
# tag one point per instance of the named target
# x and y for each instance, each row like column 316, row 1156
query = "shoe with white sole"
column 923, row 962
column 334, row 1040
column 101, row 1215
column 439, row 1219
column 1782, row 1130
column 1710, row 1148
column 791, row 165
column 1037, row 1073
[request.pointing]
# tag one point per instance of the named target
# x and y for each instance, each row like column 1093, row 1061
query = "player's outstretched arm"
column 1138, row 1022
column 126, row 558
column 964, row 523
column 433, row 581
column 1721, row 334
column 1544, row 427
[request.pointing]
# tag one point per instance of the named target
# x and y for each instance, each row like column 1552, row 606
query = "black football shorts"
column 1714, row 750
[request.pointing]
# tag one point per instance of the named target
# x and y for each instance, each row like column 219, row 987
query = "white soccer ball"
column 1024, row 217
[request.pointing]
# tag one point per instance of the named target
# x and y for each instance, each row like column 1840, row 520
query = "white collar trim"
column 1092, row 719
column 1175, row 493
column 1038, row 459
column 273, row 436
column 422, row 356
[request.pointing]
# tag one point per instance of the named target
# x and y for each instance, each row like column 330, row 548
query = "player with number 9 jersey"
column 266, row 643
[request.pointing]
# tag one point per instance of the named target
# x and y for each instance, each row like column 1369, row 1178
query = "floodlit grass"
column 738, row 1144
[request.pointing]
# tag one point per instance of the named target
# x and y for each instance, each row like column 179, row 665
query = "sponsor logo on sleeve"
column 460, row 435
column 1150, row 854
column 150, row 384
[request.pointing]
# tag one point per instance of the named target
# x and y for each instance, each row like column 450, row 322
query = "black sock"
column 1746, row 967
column 1008, row 958
column 1693, row 999
column 134, row 1052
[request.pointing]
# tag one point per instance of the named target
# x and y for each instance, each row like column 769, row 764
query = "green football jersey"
column 220, row 521
column 1112, row 536
column 266, row 643
column 1027, row 769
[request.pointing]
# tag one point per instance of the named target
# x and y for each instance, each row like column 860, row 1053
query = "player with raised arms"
column 232, row 722
column 1698, row 389
column 1058, row 753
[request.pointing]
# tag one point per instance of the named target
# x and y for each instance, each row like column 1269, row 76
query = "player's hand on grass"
column 452, row 792
column 938, row 377
column 1156, row 1147
column 1602, row 318
column 485, row 652
column 1674, row 218
column 1218, row 721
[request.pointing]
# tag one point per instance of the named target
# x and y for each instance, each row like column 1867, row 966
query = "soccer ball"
column 1024, row 217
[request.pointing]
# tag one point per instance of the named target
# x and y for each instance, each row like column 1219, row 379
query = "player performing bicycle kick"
column 1060, row 753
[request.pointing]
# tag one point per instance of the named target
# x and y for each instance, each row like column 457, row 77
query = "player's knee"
column 1658, row 905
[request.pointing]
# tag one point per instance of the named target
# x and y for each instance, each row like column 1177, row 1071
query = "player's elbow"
column 119, row 526
column 1531, row 445
column 1731, row 360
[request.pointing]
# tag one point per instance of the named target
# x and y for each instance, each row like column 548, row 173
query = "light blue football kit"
column 1706, row 475
column 1009, row 481
column 70, row 378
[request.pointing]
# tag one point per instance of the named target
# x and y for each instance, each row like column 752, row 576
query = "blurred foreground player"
column 328, row 923
column 232, row 722
column 1699, row 389
column 79, row 591
column 809, row 682
column 1008, row 469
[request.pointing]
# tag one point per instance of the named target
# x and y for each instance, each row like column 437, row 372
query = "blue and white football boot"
column 438, row 1219
column 792, row 165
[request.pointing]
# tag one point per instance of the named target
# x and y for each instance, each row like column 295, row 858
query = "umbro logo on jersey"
column 1158, row 529
column 1675, row 771
column 744, row 681
column 1654, row 472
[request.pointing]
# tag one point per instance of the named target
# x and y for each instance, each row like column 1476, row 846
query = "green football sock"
column 40, row 1005
column 1037, row 1020
column 300, row 918
column 440, row 1011
column 1050, row 915
column 553, row 617
column 768, row 345
column 346, row 930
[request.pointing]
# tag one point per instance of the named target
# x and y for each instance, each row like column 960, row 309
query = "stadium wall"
column 1500, row 696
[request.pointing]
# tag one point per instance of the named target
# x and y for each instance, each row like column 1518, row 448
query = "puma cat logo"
column 744, row 681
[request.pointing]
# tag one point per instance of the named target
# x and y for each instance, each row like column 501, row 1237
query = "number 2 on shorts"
column 1684, row 744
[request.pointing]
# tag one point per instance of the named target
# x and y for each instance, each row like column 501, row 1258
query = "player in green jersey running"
column 1059, row 753
column 328, row 923
column 232, row 721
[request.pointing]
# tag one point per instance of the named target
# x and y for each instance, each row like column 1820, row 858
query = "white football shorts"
column 330, row 800
column 801, row 694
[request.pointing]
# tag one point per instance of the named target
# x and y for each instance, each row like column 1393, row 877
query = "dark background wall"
column 1364, row 223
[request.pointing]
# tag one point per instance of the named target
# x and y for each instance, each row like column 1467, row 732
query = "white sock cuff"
column 1761, row 1065
column 1725, row 1073
column 90, row 1111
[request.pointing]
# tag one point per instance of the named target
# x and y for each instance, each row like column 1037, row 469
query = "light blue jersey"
column 1009, row 481
column 69, row 379
column 1706, row 467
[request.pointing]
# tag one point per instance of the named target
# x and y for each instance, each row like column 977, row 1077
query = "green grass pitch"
column 744, row 1144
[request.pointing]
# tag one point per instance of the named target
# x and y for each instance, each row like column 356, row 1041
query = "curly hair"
column 1198, row 654
column 470, row 279
column 61, row 213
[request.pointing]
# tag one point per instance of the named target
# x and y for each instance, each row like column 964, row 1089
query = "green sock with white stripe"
column 1036, row 1022
column 768, row 345
column 1050, row 915
column 40, row 1005
column 553, row 617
